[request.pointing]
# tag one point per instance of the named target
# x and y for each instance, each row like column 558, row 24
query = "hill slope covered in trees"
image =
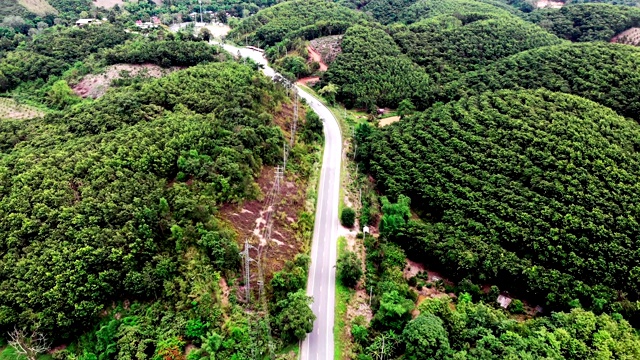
column 533, row 191
column 454, row 44
column 372, row 70
column 104, row 202
column 293, row 19
column 605, row 73
column 587, row 22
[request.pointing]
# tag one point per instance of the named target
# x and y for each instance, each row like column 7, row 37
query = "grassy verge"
column 343, row 295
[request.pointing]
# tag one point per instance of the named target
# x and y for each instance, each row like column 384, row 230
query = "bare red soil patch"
column 96, row 85
column 315, row 56
column 630, row 37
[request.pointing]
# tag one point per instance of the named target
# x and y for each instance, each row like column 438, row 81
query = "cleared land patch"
column 95, row 85
column 630, row 37
column 108, row 4
column 389, row 120
column 10, row 109
column 38, row 7
column 328, row 47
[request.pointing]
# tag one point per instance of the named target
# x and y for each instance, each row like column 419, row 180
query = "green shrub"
column 348, row 217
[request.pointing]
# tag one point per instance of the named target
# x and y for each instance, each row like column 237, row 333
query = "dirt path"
column 306, row 80
column 315, row 56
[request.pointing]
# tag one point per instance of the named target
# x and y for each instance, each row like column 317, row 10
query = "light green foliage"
column 504, row 181
column 472, row 331
column 394, row 215
column 394, row 312
column 307, row 19
column 605, row 73
column 349, row 268
column 587, row 22
column 371, row 71
column 347, row 217
column 61, row 95
column 425, row 338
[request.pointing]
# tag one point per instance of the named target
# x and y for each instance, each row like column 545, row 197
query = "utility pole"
column 247, row 274
column 200, row 1
column 295, row 118
column 285, row 153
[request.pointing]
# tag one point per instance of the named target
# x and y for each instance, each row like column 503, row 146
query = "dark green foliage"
column 164, row 53
column 70, row 44
column 386, row 11
column 349, row 269
column 307, row 19
column 19, row 66
column 606, row 73
column 425, row 338
column 529, row 190
column 294, row 318
column 290, row 279
column 371, row 71
column 312, row 128
column 424, row 9
column 85, row 223
column 587, row 22
column 348, row 217
column 448, row 45
column 516, row 307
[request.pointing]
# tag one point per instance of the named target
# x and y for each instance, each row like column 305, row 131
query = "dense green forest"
column 447, row 45
column 533, row 191
column 117, row 199
column 293, row 19
column 424, row 9
column 470, row 325
column 605, row 73
column 587, row 22
column 371, row 70
column 54, row 51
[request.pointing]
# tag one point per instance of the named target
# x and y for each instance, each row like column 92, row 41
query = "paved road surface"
column 321, row 285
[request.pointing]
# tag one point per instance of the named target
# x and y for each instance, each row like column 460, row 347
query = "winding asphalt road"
column 321, row 285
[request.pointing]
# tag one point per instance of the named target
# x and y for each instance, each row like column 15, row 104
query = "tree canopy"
column 605, row 73
column 424, row 9
column 446, row 45
column 100, row 202
column 371, row 70
column 587, row 22
column 531, row 190
column 293, row 19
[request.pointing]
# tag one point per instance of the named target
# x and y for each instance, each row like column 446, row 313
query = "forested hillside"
column 118, row 199
column 371, row 70
column 446, row 45
column 424, row 9
column 605, row 73
column 533, row 191
column 587, row 22
column 306, row 19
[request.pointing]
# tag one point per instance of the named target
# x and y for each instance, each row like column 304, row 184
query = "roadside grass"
column 295, row 348
column 343, row 295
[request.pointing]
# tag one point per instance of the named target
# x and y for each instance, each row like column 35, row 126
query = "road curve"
column 319, row 344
